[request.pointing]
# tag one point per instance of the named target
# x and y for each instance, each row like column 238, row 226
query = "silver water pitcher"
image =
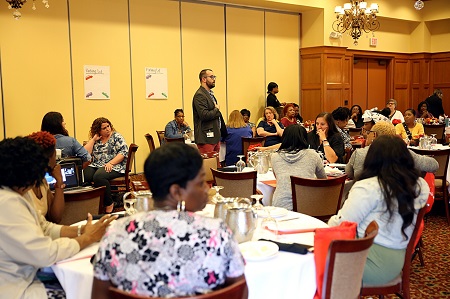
column 241, row 220
column 260, row 161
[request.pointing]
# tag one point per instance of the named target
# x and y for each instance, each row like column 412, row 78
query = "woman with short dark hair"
column 389, row 191
column 178, row 127
column 294, row 158
column 169, row 251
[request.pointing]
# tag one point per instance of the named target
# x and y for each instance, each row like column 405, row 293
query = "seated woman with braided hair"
column 28, row 241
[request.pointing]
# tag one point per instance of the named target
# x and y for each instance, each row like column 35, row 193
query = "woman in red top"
column 289, row 118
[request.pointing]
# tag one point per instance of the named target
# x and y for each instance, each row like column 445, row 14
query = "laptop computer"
column 69, row 172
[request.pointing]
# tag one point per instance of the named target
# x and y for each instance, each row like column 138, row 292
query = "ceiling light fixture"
column 17, row 4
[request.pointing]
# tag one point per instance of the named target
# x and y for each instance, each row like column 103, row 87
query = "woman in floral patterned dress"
column 170, row 251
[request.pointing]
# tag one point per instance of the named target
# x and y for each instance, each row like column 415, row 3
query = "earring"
column 181, row 206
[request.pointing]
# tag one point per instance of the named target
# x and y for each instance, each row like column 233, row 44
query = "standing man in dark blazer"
column 208, row 120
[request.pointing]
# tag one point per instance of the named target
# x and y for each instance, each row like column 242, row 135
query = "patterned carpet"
column 432, row 280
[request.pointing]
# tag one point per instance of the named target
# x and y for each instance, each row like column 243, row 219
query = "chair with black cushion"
column 161, row 137
column 122, row 184
column 79, row 203
column 235, row 184
column 345, row 263
column 237, row 290
column 435, row 129
column 320, row 198
column 180, row 139
column 354, row 132
column 440, row 181
column 150, row 141
column 400, row 284
column 247, row 141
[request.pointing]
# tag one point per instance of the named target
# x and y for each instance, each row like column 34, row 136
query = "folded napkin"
column 271, row 183
column 294, row 247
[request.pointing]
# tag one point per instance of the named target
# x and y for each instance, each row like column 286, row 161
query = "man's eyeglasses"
column 212, row 77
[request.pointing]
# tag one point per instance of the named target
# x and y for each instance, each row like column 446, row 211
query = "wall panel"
column 155, row 42
column 245, row 60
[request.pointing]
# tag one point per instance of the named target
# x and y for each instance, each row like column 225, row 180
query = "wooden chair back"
column 400, row 284
column 150, row 141
column 237, row 290
column 320, row 198
column 122, row 184
column 435, row 129
column 161, row 137
column 210, row 161
column 345, row 263
column 235, row 184
column 354, row 132
column 247, row 141
column 81, row 202
column 181, row 139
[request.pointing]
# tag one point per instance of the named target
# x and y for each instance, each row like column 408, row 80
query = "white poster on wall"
column 97, row 82
column 156, row 86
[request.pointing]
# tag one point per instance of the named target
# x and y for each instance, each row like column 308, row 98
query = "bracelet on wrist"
column 79, row 230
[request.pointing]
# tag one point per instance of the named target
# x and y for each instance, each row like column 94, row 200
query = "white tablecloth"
column 285, row 276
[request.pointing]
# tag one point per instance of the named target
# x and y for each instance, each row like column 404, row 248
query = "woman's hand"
column 355, row 116
column 273, row 121
column 94, row 232
column 322, row 135
column 96, row 137
column 108, row 167
column 56, row 173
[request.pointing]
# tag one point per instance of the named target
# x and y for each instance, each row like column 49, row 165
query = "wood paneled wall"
column 327, row 78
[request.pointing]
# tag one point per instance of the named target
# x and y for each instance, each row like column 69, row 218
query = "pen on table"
column 97, row 217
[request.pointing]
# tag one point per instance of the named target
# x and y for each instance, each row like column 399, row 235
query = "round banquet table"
column 283, row 276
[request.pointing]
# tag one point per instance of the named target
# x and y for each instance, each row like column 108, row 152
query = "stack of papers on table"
column 333, row 171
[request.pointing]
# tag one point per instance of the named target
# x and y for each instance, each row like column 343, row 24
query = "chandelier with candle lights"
column 356, row 17
column 17, row 4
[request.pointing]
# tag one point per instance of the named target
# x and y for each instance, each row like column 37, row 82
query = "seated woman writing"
column 389, row 191
column 29, row 242
column 170, row 251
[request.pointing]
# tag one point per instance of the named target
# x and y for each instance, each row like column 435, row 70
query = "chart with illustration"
column 156, row 86
column 97, row 82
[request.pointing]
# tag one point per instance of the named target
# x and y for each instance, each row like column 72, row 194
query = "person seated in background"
column 354, row 167
column 171, row 251
column 109, row 157
column 236, row 128
column 294, row 158
column 53, row 122
column 246, row 115
column 341, row 116
column 178, row 127
column 47, row 203
column 422, row 110
column 356, row 116
column 297, row 114
column 270, row 127
column 326, row 140
column 395, row 115
column 409, row 130
column 370, row 118
column 29, row 242
column 289, row 115
column 435, row 103
column 389, row 191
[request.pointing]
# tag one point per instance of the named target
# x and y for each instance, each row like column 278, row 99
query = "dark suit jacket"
column 206, row 117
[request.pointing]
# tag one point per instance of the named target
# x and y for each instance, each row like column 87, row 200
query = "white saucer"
column 258, row 250
column 275, row 212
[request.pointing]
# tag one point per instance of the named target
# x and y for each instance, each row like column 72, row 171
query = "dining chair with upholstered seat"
column 180, row 139
column 122, row 184
column 150, row 141
column 435, row 129
column 210, row 161
column 345, row 263
column 320, row 198
column 400, row 284
column 354, row 132
column 237, row 290
column 81, row 202
column 161, row 137
column 440, row 181
column 235, row 184
column 248, row 141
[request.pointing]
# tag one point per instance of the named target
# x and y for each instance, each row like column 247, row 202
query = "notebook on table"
column 70, row 176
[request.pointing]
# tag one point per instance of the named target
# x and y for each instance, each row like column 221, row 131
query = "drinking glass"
column 217, row 197
column 240, row 164
column 269, row 226
column 433, row 141
column 258, row 202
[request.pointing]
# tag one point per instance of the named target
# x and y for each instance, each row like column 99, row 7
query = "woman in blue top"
column 236, row 129
column 270, row 127
column 53, row 122
column 178, row 127
column 109, row 157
